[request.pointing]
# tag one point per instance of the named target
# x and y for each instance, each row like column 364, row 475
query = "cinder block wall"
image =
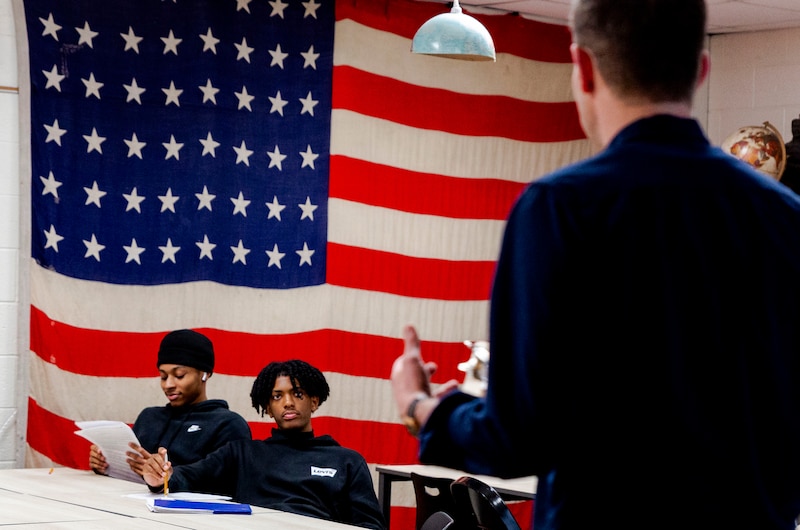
column 755, row 77
column 10, row 311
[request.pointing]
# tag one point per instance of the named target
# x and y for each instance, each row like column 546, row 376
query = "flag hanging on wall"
column 283, row 176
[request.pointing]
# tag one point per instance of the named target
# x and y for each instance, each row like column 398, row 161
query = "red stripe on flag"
column 547, row 42
column 363, row 436
column 87, row 351
column 54, row 436
column 409, row 276
column 403, row 517
column 438, row 109
column 399, row 189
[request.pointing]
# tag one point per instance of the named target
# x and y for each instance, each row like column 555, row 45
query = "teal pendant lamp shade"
column 454, row 35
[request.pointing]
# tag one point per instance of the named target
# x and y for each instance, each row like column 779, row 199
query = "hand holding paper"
column 137, row 456
column 97, row 461
column 111, row 439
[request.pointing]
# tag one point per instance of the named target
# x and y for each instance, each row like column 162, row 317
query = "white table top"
column 74, row 499
column 523, row 486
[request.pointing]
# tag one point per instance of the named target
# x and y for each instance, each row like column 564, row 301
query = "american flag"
column 284, row 176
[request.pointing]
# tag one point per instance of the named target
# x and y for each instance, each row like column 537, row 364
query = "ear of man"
column 205, row 376
column 582, row 60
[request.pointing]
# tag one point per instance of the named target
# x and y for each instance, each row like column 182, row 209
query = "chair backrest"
column 432, row 495
column 480, row 506
column 438, row 521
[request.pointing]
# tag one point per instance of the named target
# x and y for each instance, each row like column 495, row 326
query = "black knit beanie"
column 187, row 348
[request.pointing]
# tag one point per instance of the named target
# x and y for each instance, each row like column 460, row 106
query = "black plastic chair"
column 479, row 506
column 438, row 521
column 432, row 495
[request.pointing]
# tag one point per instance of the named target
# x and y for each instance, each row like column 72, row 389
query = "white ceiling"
column 724, row 16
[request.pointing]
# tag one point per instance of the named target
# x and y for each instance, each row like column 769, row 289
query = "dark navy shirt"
column 645, row 343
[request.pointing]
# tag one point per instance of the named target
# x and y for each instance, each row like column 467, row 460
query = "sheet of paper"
column 112, row 438
column 182, row 495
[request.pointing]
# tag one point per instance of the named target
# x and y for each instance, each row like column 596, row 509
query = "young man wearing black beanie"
column 190, row 425
column 294, row 470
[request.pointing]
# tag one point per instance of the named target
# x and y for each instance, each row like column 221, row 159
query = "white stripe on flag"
column 97, row 305
column 441, row 153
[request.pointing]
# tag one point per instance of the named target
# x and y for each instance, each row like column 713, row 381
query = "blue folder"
column 202, row 506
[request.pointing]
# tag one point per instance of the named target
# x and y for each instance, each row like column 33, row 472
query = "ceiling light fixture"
column 454, row 35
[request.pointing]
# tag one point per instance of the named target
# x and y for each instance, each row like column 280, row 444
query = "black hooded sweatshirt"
column 290, row 471
column 190, row 432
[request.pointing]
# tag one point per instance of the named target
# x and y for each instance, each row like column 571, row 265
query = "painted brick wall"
column 10, row 435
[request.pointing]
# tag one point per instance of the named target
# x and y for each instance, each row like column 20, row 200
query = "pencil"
column 166, row 477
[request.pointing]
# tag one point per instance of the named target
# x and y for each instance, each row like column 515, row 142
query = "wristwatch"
column 410, row 419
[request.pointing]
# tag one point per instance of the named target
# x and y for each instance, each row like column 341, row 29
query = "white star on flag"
column 93, row 248
column 277, row 8
column 244, row 99
column 94, row 194
column 275, row 208
column 305, row 255
column 86, row 35
column 308, row 209
column 276, row 158
column 92, row 86
column 209, row 145
column 240, row 253
column 277, row 54
column 131, row 40
column 134, row 91
column 209, row 42
column 308, row 104
column 240, row 204
column 134, row 200
column 173, row 148
column 310, row 58
column 172, row 94
column 53, row 78
column 134, row 146
column 308, row 158
column 244, row 50
column 54, row 132
column 134, row 252
column 53, row 239
column 94, row 141
column 168, row 252
column 205, row 199
column 277, row 103
column 171, row 43
column 209, row 92
column 205, row 247
column 51, row 185
column 275, row 256
column 168, row 201
column 311, row 8
column 50, row 27
column 243, row 153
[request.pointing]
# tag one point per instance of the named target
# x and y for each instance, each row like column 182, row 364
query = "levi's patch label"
column 322, row 471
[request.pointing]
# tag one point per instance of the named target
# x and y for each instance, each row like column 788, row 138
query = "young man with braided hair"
column 293, row 470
